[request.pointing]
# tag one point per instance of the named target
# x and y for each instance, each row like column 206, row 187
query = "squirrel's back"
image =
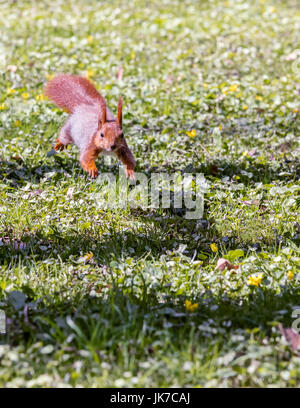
column 71, row 91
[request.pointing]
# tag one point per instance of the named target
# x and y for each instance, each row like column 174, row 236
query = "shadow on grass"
column 16, row 172
column 147, row 324
column 286, row 170
column 156, row 233
column 126, row 312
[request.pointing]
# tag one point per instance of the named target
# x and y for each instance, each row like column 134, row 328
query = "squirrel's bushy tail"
column 70, row 91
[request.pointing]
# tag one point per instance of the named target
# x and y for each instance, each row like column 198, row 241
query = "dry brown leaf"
column 284, row 147
column 11, row 68
column 293, row 56
column 169, row 80
column 291, row 336
column 224, row 263
column 35, row 193
column 252, row 152
column 119, row 74
column 251, row 202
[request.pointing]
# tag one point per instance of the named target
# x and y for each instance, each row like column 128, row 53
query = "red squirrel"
column 90, row 126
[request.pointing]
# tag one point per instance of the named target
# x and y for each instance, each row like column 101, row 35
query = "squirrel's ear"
column 103, row 114
column 119, row 114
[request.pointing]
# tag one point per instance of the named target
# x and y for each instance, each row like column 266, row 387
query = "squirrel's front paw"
column 59, row 146
column 93, row 172
column 130, row 174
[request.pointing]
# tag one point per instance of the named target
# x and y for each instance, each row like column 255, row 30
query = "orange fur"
column 87, row 161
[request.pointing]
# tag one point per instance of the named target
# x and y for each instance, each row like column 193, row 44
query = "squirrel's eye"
column 102, row 134
column 121, row 135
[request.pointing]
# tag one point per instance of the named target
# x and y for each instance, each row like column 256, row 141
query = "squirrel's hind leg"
column 63, row 139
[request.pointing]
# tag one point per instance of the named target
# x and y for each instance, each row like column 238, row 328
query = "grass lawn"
column 100, row 297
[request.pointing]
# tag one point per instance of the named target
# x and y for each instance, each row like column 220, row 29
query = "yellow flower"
column 295, row 111
column 214, row 247
column 40, row 97
column 88, row 256
column 89, row 73
column 90, row 39
column 10, row 91
column 255, row 280
column 290, row 275
column 25, row 95
column 233, row 88
column 3, row 106
column 132, row 55
column 245, row 107
column 220, row 127
column 190, row 307
column 191, row 134
column 18, row 123
column 259, row 98
column 49, row 76
column 205, row 85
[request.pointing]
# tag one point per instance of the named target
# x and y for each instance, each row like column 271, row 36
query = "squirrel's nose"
column 113, row 147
